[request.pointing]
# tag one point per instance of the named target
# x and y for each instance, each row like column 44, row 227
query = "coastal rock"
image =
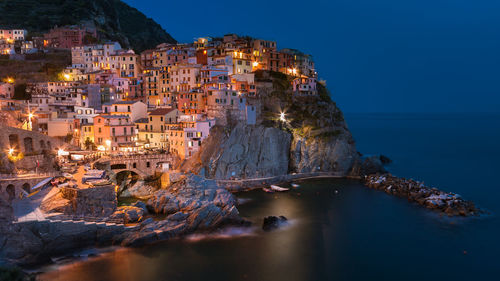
column 129, row 214
column 99, row 201
column 448, row 203
column 253, row 151
column 273, row 222
column 138, row 190
column 142, row 205
column 323, row 154
column 372, row 165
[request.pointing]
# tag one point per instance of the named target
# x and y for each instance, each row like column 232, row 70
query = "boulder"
column 129, row 214
column 273, row 222
column 138, row 190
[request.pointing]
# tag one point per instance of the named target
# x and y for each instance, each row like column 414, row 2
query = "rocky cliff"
column 314, row 137
column 113, row 19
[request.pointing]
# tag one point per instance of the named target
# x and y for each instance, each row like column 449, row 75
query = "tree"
column 20, row 92
column 89, row 145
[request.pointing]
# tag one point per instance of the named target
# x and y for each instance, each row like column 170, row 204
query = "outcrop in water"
column 273, row 222
column 448, row 203
column 191, row 204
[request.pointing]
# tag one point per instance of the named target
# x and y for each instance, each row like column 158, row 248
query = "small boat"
column 294, row 185
column 278, row 188
column 267, row 190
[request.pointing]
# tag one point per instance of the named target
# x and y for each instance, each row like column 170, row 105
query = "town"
column 115, row 101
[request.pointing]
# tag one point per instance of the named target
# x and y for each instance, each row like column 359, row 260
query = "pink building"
column 304, row 86
column 67, row 37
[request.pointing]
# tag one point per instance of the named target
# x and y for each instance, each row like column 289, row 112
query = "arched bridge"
column 143, row 165
column 19, row 186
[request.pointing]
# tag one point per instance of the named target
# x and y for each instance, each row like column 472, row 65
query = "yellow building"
column 153, row 129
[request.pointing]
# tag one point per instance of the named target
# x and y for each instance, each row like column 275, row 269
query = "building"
column 12, row 35
column 67, row 37
column 134, row 109
column 304, row 86
column 113, row 133
column 6, row 90
column 152, row 131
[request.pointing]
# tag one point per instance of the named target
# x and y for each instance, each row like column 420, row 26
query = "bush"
column 13, row 274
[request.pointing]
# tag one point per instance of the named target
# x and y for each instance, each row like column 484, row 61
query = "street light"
column 282, row 117
column 108, row 144
column 11, row 151
column 61, row 152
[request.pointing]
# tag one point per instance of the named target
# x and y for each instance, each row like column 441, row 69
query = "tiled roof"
column 161, row 111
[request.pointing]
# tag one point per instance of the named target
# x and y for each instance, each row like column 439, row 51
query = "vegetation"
column 14, row 274
column 36, row 67
column 120, row 22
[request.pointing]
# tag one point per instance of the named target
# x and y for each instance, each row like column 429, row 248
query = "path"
column 28, row 209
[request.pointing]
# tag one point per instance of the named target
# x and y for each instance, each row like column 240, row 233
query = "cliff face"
column 113, row 19
column 250, row 151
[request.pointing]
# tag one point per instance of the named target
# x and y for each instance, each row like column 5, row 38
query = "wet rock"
column 129, row 214
column 139, row 190
column 385, row 160
column 142, row 205
column 372, row 165
column 274, row 222
column 448, row 203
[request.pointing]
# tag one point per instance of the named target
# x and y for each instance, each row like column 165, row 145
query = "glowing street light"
column 108, row 144
column 255, row 64
column 11, row 151
column 30, row 122
column 282, row 117
column 67, row 76
column 61, row 152
column 10, row 80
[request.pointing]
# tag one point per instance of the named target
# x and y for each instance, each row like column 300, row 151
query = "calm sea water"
column 341, row 230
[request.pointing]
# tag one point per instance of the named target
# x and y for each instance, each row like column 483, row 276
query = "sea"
column 338, row 229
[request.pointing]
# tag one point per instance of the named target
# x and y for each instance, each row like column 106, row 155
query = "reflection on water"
column 353, row 234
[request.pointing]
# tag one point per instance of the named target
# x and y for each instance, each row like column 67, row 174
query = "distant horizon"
column 416, row 56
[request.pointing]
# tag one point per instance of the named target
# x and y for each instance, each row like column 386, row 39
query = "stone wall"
column 96, row 201
column 27, row 141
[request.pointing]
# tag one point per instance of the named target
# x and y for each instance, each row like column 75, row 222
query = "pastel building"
column 114, row 133
column 304, row 86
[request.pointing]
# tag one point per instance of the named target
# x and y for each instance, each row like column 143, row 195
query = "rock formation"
column 449, row 203
column 192, row 204
column 273, row 222
column 98, row 201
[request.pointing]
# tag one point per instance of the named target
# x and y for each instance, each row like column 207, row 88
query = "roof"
column 120, row 102
column 142, row 120
column 109, row 116
column 161, row 111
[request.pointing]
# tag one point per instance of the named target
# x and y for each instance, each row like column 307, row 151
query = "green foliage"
column 122, row 23
column 13, row 274
column 20, row 92
column 68, row 137
column 89, row 145
column 323, row 92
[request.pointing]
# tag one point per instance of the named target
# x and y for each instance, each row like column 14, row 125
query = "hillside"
column 114, row 19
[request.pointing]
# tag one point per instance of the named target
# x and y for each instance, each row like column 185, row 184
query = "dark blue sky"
column 376, row 56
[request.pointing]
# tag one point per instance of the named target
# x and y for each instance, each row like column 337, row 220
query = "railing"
column 24, row 176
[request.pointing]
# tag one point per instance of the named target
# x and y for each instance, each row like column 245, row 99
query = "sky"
column 376, row 56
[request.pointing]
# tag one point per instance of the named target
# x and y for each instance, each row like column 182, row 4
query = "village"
column 115, row 101
column 124, row 122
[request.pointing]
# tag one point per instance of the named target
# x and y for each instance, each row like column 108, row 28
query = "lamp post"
column 282, row 117
column 108, row 144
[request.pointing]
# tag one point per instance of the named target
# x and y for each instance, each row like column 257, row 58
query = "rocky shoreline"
column 447, row 203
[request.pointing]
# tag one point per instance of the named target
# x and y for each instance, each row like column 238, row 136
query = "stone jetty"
column 448, row 203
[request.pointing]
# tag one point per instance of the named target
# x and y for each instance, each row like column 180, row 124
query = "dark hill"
column 114, row 19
